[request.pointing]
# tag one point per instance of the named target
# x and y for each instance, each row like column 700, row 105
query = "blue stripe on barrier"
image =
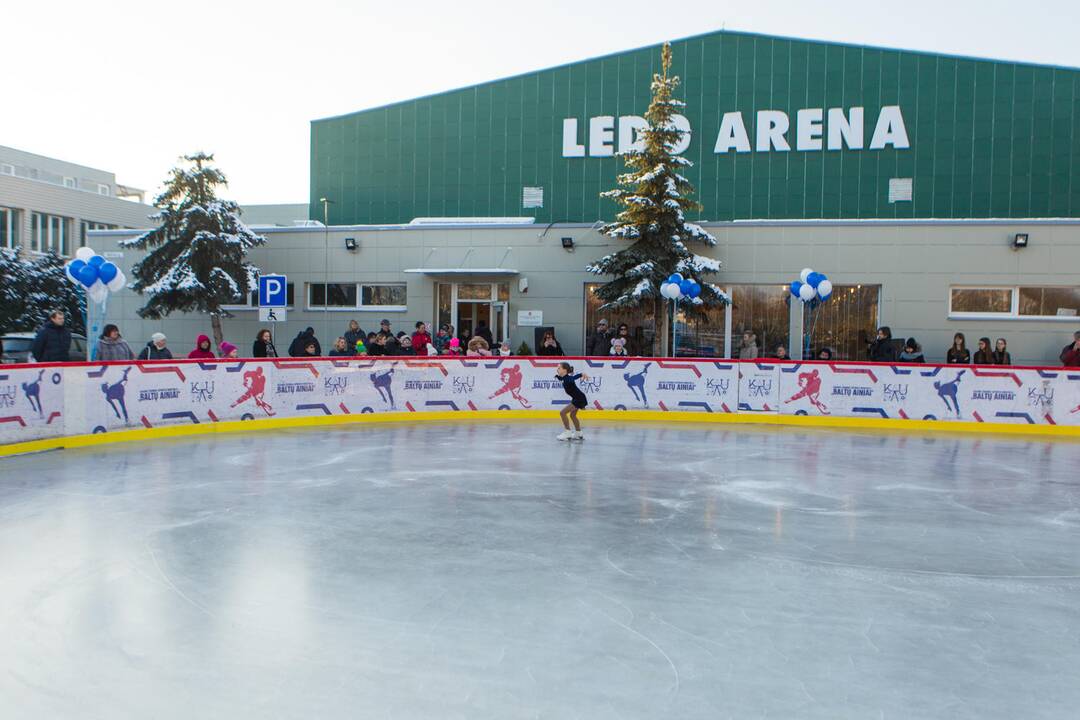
column 871, row 411
column 315, row 406
column 176, row 415
column 930, row 373
column 442, row 403
column 687, row 403
column 787, row 368
column 900, row 370
column 1021, row 415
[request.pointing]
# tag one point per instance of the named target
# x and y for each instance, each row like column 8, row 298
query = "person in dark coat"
column 264, row 345
column 958, row 354
column 53, row 341
column 985, row 354
column 600, row 343
column 156, row 349
column 550, row 346
column 482, row 330
column 1070, row 354
column 300, row 342
column 882, row 349
column 912, row 352
column 353, row 335
column 374, row 347
column 1001, row 353
column 341, row 349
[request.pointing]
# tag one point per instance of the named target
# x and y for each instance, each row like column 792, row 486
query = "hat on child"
column 454, row 342
column 227, row 347
column 158, row 337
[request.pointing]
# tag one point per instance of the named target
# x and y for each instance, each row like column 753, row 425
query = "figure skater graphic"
column 578, row 401
column 382, row 384
column 948, row 391
column 255, row 384
column 114, row 395
column 32, row 390
column 636, row 383
column 810, row 384
column 511, row 379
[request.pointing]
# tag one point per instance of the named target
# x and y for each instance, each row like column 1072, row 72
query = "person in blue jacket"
column 565, row 375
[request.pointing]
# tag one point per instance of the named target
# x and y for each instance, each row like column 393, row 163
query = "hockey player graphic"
column 255, row 384
column 511, row 383
column 810, row 388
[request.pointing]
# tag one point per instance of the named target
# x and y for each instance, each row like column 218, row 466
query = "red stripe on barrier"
column 982, row 373
column 977, row 416
column 1050, row 419
column 725, row 407
column 598, row 405
column 410, row 407
column 662, row 406
column 472, row 405
column 52, row 416
column 151, row 369
column 13, row 418
column 146, row 422
column 282, row 365
column 344, row 409
column 903, row 414
column 211, row 415
column 678, row 366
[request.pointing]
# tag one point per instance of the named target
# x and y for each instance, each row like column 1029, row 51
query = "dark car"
column 17, row 347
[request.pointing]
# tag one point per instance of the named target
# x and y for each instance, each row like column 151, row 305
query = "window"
column 86, row 226
column 763, row 311
column 9, row 228
column 6, row 169
column 640, row 321
column 1016, row 303
column 51, row 233
column 474, row 291
column 845, row 324
column 103, row 189
column 69, row 182
column 356, row 296
column 252, row 302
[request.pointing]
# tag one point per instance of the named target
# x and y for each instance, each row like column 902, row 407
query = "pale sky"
column 128, row 86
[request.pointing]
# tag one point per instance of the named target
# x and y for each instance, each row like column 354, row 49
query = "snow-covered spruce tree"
column 12, row 290
column 198, row 254
column 656, row 198
column 47, row 287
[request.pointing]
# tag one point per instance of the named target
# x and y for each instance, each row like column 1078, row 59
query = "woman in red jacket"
column 202, row 349
column 421, row 339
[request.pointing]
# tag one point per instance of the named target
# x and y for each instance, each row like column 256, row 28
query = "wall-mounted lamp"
column 568, row 243
column 1020, row 241
column 350, row 244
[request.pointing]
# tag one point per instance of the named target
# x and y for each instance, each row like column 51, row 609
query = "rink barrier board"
column 937, row 427
column 113, row 401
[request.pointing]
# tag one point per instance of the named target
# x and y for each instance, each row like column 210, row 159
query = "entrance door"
column 500, row 324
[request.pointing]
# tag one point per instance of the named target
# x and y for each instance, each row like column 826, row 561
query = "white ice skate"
column 565, row 435
column 579, row 436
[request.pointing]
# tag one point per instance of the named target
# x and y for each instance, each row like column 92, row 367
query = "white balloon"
column 804, row 274
column 84, row 254
column 807, row 293
column 824, row 288
column 117, row 283
column 98, row 292
column 698, row 301
column 666, row 290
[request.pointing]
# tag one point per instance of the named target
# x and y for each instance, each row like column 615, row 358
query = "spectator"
column 882, row 349
column 1065, row 351
column 202, row 349
column 618, row 347
column 601, row 340
column 912, row 352
column 442, row 338
column 421, row 338
column 373, row 347
column 228, row 350
column 298, row 347
column 825, row 354
column 483, row 331
column 550, row 346
column 112, row 347
column 53, row 340
column 781, row 352
column 1001, row 353
column 478, row 347
column 384, row 328
column 391, row 346
column 623, row 333
column 311, row 349
column 156, row 349
column 984, row 355
column 341, row 348
column 749, row 350
column 353, row 334
column 264, row 345
column 1070, row 355
column 405, row 344
column 453, row 347
column 958, row 354
column 504, row 349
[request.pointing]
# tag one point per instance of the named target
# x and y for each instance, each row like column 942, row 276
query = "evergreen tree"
column 47, row 288
column 656, row 198
column 198, row 253
column 12, row 289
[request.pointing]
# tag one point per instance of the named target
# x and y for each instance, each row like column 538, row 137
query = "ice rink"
column 488, row 571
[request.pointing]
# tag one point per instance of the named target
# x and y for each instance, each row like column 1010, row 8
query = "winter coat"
column 296, row 347
column 1064, row 354
column 984, row 357
column 52, row 343
column 883, row 351
column 420, row 340
column 352, row 336
column 1002, row 358
column 1070, row 358
column 151, row 352
column 485, row 332
column 600, row 344
column 109, row 349
column 263, row 349
column 551, row 351
column 392, row 347
column 912, row 357
column 958, row 357
column 748, row 352
column 198, row 353
column 341, row 353
column 407, row 351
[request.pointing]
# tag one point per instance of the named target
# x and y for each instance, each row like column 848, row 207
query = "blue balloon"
column 88, row 275
column 107, row 272
column 96, row 261
column 796, row 286
column 695, row 290
column 675, row 278
column 814, row 279
column 684, row 287
column 74, row 267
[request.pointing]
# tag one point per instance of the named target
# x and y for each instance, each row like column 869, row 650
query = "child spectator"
column 478, row 347
column 202, row 349
column 825, row 354
column 984, row 355
column 228, row 350
column 406, row 345
column 618, row 347
column 912, row 352
column 420, row 339
column 453, row 347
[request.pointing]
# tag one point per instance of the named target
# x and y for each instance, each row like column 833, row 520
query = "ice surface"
column 488, row 571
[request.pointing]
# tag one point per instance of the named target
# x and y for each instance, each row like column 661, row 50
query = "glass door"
column 500, row 322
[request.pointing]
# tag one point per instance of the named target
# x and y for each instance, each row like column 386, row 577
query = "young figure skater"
column 577, row 401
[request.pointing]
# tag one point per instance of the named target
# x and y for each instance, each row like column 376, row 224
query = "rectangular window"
column 86, row 226
column 845, row 324
column 640, row 324
column 252, row 302
column 103, row 190
column 981, row 301
column 51, row 233
column 334, row 295
column 6, row 169
column 9, row 228
column 474, row 291
column 69, row 182
column 356, row 296
column 384, row 295
column 1016, row 303
column 762, row 311
column 1049, row 302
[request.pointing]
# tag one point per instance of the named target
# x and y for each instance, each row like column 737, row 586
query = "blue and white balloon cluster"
column 679, row 288
column 97, row 275
column 811, row 285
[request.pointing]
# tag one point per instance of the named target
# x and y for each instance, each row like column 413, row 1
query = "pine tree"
column 47, row 287
column 656, row 198
column 12, row 289
column 198, row 257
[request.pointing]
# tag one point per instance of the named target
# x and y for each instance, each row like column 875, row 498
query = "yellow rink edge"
column 743, row 418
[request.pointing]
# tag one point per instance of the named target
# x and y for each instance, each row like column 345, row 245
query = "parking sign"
column 272, row 291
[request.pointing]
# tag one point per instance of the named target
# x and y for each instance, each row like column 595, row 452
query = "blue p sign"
column 272, row 291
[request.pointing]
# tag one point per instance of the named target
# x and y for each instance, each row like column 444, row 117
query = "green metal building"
column 937, row 136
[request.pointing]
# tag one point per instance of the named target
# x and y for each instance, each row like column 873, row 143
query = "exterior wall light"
column 350, row 244
column 1020, row 241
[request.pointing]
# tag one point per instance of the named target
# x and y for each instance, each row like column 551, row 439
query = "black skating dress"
column 577, row 398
